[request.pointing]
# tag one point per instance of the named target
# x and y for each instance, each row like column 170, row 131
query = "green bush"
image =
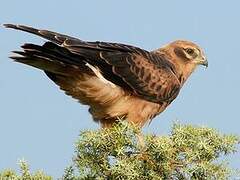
column 121, row 152
column 25, row 174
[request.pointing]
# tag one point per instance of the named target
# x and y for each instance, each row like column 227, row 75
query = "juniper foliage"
column 187, row 153
column 121, row 152
column 24, row 175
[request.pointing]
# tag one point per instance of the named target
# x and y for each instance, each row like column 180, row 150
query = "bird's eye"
column 189, row 51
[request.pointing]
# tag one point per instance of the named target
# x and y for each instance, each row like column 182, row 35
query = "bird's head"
column 188, row 52
column 185, row 55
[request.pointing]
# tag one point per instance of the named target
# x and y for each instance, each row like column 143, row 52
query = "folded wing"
column 143, row 73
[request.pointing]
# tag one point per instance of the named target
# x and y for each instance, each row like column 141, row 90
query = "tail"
column 51, row 58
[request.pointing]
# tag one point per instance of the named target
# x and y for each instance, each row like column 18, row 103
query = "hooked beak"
column 204, row 62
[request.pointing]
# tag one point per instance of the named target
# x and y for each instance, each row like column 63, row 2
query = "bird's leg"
column 141, row 142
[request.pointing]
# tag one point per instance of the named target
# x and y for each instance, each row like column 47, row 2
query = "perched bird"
column 115, row 80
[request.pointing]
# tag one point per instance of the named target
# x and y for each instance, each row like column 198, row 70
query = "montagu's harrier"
column 115, row 80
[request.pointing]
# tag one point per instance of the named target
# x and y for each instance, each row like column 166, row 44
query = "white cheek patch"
column 99, row 75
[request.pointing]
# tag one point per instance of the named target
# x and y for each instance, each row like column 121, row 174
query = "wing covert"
column 154, row 82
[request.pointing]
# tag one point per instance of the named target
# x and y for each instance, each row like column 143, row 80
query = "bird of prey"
column 115, row 80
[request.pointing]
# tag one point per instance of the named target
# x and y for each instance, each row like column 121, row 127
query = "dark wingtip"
column 16, row 58
column 18, row 52
column 16, row 55
column 9, row 25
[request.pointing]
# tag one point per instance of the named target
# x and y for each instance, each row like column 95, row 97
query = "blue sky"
column 40, row 123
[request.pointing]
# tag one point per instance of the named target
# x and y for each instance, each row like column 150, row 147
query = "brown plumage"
column 115, row 80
